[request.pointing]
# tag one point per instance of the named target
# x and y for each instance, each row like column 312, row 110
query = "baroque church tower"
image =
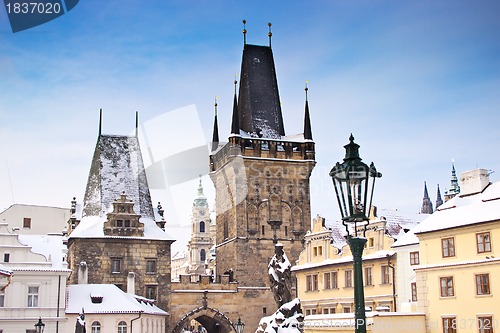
column 261, row 177
column 202, row 234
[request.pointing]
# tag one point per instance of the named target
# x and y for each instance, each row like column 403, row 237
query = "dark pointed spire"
column 426, row 202
column 269, row 34
column 235, row 125
column 244, row 32
column 215, row 136
column 136, row 124
column 439, row 200
column 258, row 100
column 307, row 119
column 100, row 122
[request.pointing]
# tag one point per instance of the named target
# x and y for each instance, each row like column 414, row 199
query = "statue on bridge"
column 80, row 323
column 288, row 318
column 280, row 275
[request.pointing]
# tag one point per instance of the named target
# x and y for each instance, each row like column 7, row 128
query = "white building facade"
column 37, row 286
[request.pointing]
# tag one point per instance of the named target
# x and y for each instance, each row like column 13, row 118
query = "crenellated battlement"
column 262, row 148
column 200, row 282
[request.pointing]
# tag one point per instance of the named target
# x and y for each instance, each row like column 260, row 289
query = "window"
column 449, row 325
column 312, row 282
column 119, row 223
column 127, row 224
column 413, row 291
column 116, row 265
column 368, row 276
column 447, row 289
column 202, row 226
column 315, row 251
column 346, row 309
column 485, row 324
column 386, row 276
column 151, row 292
column 348, row 279
column 483, row 242
column 6, row 257
column 2, row 299
column 122, row 327
column 330, row 280
column 448, row 247
column 96, row 327
column 370, row 242
column 482, row 284
column 414, row 258
column 327, row 281
column 203, row 255
column 320, row 250
column 151, row 266
column 32, row 297
column 263, row 231
column 27, row 222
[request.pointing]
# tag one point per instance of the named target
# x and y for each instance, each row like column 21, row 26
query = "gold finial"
column 244, row 32
column 269, row 34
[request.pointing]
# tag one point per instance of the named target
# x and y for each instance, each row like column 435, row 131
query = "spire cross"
column 215, row 106
column 306, row 89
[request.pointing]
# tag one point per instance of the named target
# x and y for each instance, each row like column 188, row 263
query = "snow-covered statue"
column 280, row 275
column 80, row 323
column 288, row 318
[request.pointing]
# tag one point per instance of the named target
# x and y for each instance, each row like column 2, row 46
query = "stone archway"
column 211, row 319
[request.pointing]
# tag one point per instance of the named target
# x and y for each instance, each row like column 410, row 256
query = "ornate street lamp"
column 351, row 183
column 40, row 326
column 239, row 326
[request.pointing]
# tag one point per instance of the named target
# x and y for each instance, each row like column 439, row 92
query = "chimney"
column 83, row 273
column 473, row 181
column 131, row 283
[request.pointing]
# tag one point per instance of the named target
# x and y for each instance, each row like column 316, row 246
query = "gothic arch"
column 212, row 319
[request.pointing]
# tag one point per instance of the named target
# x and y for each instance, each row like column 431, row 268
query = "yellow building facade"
column 324, row 271
column 457, row 279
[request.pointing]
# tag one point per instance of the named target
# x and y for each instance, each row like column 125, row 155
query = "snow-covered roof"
column 375, row 255
column 407, row 239
column 50, row 246
column 180, row 255
column 5, row 271
column 117, row 167
column 92, row 227
column 464, row 210
column 397, row 225
column 108, row 298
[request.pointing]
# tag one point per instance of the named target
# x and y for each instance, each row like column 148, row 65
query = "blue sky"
column 416, row 82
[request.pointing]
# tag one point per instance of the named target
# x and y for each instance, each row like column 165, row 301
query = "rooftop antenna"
column 100, row 121
column 244, row 32
column 136, row 124
column 269, row 34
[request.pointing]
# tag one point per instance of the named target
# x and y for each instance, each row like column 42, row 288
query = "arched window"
column 122, row 327
column 96, row 327
column 202, row 226
column 203, row 255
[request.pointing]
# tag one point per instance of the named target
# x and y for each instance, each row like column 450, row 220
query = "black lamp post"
column 239, row 326
column 351, row 183
column 40, row 326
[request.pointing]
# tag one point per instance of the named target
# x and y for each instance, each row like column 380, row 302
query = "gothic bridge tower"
column 261, row 177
